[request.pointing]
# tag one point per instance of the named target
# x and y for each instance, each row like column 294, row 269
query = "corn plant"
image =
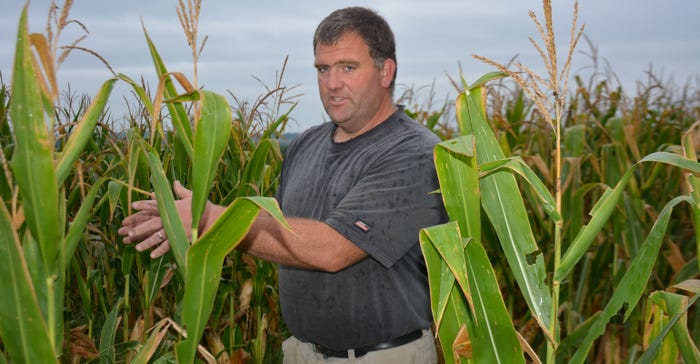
column 37, row 242
column 200, row 262
column 456, row 292
column 448, row 256
column 89, row 167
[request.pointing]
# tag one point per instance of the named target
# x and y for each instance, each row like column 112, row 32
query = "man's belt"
column 401, row 340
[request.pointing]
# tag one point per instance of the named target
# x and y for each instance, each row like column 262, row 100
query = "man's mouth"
column 337, row 100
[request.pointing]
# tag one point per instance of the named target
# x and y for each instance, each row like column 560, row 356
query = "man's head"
column 366, row 23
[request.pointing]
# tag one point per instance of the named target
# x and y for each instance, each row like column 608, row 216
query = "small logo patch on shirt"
column 362, row 225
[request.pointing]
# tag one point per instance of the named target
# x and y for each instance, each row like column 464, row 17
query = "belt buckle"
column 359, row 352
column 330, row 353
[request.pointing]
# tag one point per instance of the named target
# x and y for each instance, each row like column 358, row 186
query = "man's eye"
column 322, row 69
column 349, row 68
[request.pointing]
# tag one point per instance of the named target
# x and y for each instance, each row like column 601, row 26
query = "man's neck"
column 343, row 134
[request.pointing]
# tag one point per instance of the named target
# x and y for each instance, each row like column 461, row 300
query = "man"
column 356, row 191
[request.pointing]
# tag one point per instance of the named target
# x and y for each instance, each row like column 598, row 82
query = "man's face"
column 352, row 89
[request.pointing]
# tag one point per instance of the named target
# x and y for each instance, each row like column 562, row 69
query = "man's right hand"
column 145, row 227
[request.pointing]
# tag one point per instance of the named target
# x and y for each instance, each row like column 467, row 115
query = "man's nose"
column 334, row 79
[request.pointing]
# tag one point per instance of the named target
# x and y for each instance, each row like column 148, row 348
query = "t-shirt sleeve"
column 385, row 210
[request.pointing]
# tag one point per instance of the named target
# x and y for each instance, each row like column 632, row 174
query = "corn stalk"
column 501, row 200
column 36, row 242
column 200, row 259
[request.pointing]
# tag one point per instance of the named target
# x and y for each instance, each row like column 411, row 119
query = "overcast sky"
column 249, row 39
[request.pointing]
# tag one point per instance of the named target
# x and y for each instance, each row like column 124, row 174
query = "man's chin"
column 337, row 117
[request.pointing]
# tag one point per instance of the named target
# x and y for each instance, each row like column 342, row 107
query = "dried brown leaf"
column 244, row 298
column 46, row 73
column 216, row 346
column 462, row 345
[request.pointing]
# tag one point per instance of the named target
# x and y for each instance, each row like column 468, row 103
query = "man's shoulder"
column 315, row 132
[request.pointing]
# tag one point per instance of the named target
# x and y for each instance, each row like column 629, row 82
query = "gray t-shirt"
column 375, row 190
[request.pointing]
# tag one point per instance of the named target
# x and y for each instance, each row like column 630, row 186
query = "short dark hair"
column 366, row 23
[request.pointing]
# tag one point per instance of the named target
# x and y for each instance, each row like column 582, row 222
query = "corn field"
column 573, row 233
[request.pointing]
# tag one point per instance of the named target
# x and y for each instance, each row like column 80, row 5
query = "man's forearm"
column 310, row 244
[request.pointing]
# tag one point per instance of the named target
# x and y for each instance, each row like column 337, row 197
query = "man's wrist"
column 209, row 216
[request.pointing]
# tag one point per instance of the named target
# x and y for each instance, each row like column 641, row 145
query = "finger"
column 163, row 248
column 150, row 242
column 135, row 219
column 145, row 205
column 143, row 231
column 181, row 191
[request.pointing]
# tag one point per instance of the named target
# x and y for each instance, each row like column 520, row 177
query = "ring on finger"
column 160, row 236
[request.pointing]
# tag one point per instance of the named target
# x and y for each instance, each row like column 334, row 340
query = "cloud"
column 249, row 40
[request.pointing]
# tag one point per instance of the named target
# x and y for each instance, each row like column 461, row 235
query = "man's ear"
column 387, row 72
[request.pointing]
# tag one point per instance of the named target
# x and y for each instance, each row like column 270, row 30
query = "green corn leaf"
column 674, row 160
column 3, row 360
column 651, row 353
column 517, row 165
column 456, row 321
column 503, row 204
column 441, row 278
column 205, row 261
column 679, row 305
column 516, row 113
column 33, row 168
column 77, row 228
column 572, row 202
column 259, row 343
column 114, row 193
column 140, row 92
column 599, row 217
column 85, row 294
column 633, row 282
column 688, row 142
column 83, row 132
column 574, row 140
column 655, row 319
column 137, row 163
column 457, row 171
column 663, row 306
column 109, row 333
column 455, row 165
column 448, row 304
column 157, row 269
column 48, row 289
column 500, row 342
column 211, row 138
column 23, row 331
column 186, row 97
column 616, row 127
column 254, row 170
column 175, row 231
column 491, row 76
column 274, row 127
column 606, row 205
column 492, row 334
column 571, row 341
column 178, row 114
column 32, row 162
column 37, row 271
column 695, row 193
